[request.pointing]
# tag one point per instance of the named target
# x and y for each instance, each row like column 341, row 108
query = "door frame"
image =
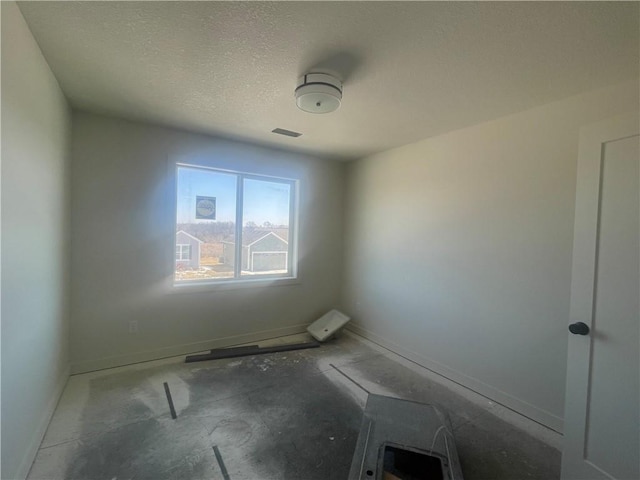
column 585, row 251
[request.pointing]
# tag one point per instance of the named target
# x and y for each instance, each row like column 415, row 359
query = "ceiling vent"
column 318, row 93
column 288, row 133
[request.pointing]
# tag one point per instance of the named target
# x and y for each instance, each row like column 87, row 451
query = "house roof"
column 188, row 235
column 249, row 237
column 264, row 236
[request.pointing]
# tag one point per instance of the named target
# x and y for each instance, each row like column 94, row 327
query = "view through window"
column 232, row 225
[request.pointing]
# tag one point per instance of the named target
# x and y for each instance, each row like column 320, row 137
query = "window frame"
column 181, row 254
column 239, row 280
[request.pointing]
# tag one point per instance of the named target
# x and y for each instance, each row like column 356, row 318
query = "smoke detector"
column 318, row 93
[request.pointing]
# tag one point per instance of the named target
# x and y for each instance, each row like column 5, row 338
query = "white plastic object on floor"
column 327, row 325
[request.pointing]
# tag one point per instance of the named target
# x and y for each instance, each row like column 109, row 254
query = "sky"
column 264, row 201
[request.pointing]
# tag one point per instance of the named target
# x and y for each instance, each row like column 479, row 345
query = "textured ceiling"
column 411, row 70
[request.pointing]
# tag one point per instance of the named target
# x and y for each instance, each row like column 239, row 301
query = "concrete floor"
column 293, row 415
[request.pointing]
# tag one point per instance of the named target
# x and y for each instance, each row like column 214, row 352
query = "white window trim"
column 239, row 280
column 181, row 253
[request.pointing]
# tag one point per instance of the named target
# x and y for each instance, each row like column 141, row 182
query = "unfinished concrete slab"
column 293, row 415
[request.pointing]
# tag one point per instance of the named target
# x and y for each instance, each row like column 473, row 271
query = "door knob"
column 579, row 328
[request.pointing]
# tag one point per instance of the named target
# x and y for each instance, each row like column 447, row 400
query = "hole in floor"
column 400, row 464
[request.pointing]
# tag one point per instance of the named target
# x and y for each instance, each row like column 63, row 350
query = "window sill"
column 209, row 286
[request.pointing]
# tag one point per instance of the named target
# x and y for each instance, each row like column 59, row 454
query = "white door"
column 602, row 409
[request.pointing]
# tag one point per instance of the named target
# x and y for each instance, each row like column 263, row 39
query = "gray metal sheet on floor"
column 392, row 424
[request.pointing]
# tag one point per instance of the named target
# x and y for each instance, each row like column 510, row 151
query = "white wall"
column 35, row 133
column 123, row 225
column 458, row 250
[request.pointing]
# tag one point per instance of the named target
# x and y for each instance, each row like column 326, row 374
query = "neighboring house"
column 187, row 250
column 262, row 251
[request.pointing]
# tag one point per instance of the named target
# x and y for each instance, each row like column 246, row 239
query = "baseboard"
column 38, row 435
column 520, row 406
column 184, row 349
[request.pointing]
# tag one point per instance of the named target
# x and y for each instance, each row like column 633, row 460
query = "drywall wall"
column 36, row 124
column 123, row 227
column 458, row 250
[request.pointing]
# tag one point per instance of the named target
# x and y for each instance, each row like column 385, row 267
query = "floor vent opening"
column 401, row 464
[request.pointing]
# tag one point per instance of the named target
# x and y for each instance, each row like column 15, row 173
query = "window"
column 183, row 252
column 233, row 226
